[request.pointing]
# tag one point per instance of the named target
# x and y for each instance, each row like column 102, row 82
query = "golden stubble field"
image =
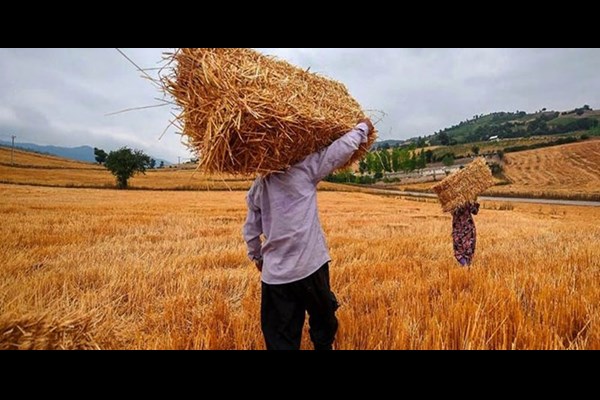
column 29, row 168
column 571, row 170
column 88, row 268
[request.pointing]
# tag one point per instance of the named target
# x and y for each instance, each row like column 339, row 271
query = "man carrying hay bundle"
column 248, row 114
column 458, row 195
column 294, row 260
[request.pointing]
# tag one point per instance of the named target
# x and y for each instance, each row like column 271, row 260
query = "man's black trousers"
column 283, row 308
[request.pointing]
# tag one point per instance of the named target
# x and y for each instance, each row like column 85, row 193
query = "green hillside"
column 519, row 124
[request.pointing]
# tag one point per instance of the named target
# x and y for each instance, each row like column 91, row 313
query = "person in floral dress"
column 464, row 234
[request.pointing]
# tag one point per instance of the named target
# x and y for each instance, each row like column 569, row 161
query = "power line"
column 12, row 152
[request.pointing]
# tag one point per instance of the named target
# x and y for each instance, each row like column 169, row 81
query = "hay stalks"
column 43, row 333
column 246, row 113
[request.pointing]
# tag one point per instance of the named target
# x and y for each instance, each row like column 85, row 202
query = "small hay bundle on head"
column 246, row 113
column 464, row 186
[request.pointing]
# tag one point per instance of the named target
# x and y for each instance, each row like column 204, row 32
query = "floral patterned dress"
column 464, row 234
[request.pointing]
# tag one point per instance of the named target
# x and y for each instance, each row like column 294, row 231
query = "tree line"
column 513, row 125
column 398, row 159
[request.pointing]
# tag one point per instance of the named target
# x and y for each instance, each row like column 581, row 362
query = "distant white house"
column 492, row 138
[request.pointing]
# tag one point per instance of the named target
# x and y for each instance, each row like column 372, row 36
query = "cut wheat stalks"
column 245, row 113
column 465, row 185
column 42, row 333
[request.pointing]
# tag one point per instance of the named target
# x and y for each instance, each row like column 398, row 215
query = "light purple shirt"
column 283, row 207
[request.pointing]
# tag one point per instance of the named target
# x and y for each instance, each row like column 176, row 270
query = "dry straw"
column 246, row 113
column 42, row 333
column 465, row 185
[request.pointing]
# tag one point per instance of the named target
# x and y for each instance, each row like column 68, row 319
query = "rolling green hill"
column 519, row 124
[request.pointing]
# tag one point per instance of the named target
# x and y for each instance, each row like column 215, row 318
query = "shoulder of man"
column 255, row 187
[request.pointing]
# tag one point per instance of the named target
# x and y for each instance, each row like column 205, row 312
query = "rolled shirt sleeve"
column 253, row 229
column 324, row 162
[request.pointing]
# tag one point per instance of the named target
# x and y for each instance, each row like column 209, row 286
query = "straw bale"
column 246, row 113
column 464, row 185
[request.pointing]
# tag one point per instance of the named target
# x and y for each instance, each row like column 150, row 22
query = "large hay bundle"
column 465, row 185
column 245, row 113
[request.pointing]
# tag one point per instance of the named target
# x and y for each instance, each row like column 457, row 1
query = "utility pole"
column 178, row 160
column 12, row 152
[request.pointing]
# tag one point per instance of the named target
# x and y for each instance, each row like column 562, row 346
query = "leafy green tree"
column 344, row 176
column 405, row 160
column 421, row 161
column 152, row 163
column 444, row 138
column 384, row 156
column 448, row 160
column 396, row 159
column 475, row 150
column 100, row 155
column 537, row 126
column 412, row 162
column 363, row 165
column 370, row 160
column 377, row 165
column 428, row 156
column 125, row 163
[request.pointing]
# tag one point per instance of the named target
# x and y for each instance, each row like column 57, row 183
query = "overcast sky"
column 62, row 96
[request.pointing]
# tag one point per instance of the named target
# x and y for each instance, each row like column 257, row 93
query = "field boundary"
column 590, row 200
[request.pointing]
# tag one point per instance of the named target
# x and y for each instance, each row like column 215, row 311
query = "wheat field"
column 91, row 268
column 44, row 170
column 33, row 169
column 571, row 170
column 29, row 159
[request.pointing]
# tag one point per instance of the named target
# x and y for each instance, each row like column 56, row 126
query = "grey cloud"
column 62, row 96
column 29, row 117
column 424, row 90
